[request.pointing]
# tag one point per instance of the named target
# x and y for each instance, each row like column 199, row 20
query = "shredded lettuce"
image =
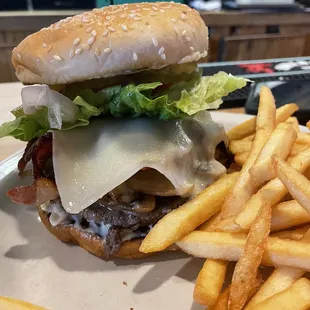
column 44, row 109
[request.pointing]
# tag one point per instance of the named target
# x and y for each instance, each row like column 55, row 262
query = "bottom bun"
column 90, row 242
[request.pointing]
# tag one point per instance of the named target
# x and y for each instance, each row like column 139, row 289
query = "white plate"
column 36, row 267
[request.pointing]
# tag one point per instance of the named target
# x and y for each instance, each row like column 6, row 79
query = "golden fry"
column 295, row 234
column 244, row 277
column 297, row 184
column 7, row 303
column 265, row 124
column 210, row 281
column 240, row 146
column 229, row 246
column 241, row 158
column 222, row 302
column 280, row 143
column 288, row 214
column 186, row 218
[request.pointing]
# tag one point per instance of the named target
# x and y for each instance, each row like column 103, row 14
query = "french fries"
column 303, row 138
column 288, row 214
column 210, row 281
column 211, row 223
column 244, row 278
column 295, row 297
column 279, row 280
column 240, row 146
column 229, row 246
column 248, row 128
column 241, row 158
column 293, row 122
column 274, row 191
column 265, row 123
column 7, row 303
column 280, row 143
column 186, row 218
column 297, row 184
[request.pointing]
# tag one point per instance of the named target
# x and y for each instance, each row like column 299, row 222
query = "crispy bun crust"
column 115, row 40
column 92, row 243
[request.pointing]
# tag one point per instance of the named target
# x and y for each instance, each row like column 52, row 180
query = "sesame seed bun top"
column 115, row 40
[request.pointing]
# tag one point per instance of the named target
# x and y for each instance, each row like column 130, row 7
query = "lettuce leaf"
column 44, row 109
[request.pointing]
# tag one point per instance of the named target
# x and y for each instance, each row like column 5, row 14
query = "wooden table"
column 10, row 99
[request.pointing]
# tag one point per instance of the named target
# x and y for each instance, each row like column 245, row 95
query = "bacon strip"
column 41, row 191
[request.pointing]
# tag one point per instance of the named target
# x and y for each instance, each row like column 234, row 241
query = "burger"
column 114, row 113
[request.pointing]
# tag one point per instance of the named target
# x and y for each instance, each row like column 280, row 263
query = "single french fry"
column 7, row 303
column 288, row 214
column 222, row 302
column 295, row 234
column 303, row 138
column 293, row 121
column 229, row 246
column 210, row 281
column 241, row 158
column 248, row 128
column 227, row 225
column 280, row 143
column 244, row 188
column 240, row 146
column 297, row 148
column 297, row 184
column 244, row 278
column 274, row 191
column 296, row 297
column 186, row 218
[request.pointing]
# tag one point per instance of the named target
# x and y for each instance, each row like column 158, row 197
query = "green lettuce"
column 149, row 99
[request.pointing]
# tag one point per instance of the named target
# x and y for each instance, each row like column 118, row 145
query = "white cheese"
column 91, row 161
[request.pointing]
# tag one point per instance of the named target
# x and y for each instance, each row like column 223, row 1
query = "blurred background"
column 240, row 30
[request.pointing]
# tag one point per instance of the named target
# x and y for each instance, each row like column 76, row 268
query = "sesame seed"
column 138, row 6
column 146, row 9
column 76, row 41
column 94, row 33
column 108, row 17
column 191, row 48
column 107, row 50
column 163, row 56
column 133, row 11
column 184, row 33
column 97, row 51
column 162, row 11
column 105, row 33
column 173, row 20
column 111, row 29
column 71, row 55
column 99, row 24
column 161, row 50
column 155, row 8
column 85, row 47
column 124, row 28
column 19, row 56
column 137, row 18
column 78, row 51
column 155, row 42
column 50, row 47
column 56, row 57
column 107, row 23
column 44, row 45
column 91, row 40
column 188, row 39
column 131, row 15
column 89, row 29
column 183, row 16
column 123, row 15
column 135, row 56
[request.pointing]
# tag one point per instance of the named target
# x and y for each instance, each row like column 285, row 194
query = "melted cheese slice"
column 91, row 161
